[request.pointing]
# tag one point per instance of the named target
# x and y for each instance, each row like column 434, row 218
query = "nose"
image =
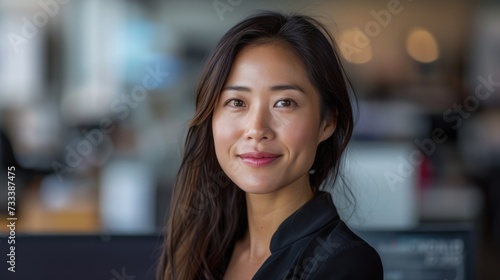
column 259, row 124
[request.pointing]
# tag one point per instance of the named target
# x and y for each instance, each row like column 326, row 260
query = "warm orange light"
column 422, row 46
column 355, row 46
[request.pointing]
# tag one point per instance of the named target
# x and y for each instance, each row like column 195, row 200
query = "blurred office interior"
column 95, row 97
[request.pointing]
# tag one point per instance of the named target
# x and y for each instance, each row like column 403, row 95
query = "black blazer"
column 313, row 243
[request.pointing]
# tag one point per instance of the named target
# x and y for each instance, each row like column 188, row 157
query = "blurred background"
column 95, row 97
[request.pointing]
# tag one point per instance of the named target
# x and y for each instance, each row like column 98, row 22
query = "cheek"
column 301, row 133
column 302, row 140
column 224, row 132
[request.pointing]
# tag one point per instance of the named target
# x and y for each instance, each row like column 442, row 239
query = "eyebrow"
column 273, row 88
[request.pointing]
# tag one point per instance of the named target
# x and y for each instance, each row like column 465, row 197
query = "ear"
column 327, row 128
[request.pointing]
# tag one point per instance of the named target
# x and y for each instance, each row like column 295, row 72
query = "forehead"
column 268, row 62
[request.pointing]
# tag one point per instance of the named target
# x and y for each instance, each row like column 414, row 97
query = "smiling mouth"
column 258, row 159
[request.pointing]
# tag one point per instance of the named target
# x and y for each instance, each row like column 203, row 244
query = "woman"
column 273, row 116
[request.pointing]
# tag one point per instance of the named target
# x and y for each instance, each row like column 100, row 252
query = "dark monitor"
column 81, row 257
column 426, row 253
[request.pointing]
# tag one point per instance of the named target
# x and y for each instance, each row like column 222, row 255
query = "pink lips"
column 258, row 159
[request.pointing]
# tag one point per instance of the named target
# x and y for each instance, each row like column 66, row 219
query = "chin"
column 252, row 189
column 257, row 188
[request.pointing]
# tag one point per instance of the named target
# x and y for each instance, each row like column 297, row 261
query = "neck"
column 267, row 211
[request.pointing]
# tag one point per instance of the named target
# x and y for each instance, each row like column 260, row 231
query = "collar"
column 309, row 218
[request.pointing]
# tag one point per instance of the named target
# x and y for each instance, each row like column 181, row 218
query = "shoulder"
column 338, row 253
column 314, row 243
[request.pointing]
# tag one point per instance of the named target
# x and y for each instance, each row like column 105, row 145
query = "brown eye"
column 284, row 103
column 235, row 103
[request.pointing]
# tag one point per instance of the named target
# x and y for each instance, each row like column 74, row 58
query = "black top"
column 313, row 243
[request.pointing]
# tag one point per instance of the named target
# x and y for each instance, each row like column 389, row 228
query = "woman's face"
column 266, row 124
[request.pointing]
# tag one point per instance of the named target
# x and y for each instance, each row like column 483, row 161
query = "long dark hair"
column 208, row 211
